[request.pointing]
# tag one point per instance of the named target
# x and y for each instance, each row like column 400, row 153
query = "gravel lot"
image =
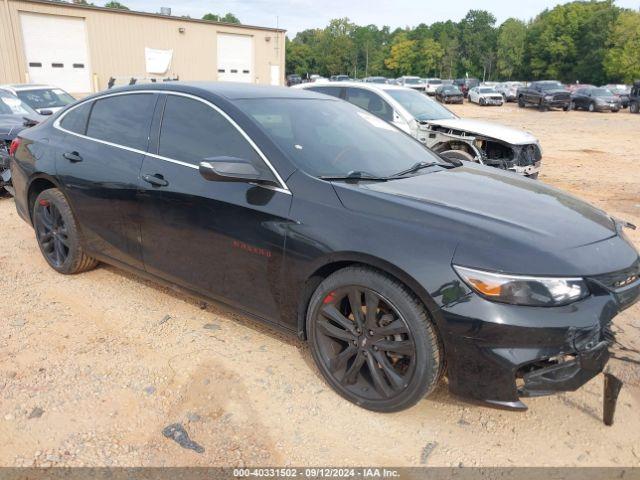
column 94, row 367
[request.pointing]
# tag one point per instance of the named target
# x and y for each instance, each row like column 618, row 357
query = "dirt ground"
column 94, row 367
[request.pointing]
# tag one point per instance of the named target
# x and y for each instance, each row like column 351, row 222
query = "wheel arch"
column 38, row 184
column 338, row 261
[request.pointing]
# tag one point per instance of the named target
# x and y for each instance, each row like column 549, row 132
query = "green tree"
column 337, row 55
column 478, row 43
column 430, row 54
column 226, row 18
column 622, row 60
column 569, row 41
column 117, row 5
column 512, row 36
column 298, row 57
column 403, row 55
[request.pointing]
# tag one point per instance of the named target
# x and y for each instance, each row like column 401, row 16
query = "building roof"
column 148, row 14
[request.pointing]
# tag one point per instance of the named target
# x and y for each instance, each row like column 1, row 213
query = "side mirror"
column 45, row 112
column 230, row 169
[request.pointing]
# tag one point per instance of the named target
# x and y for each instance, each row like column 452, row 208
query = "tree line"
column 587, row 41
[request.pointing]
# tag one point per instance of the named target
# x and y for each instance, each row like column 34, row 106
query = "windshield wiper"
column 414, row 168
column 355, row 175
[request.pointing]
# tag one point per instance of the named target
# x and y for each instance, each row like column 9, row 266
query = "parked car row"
column 398, row 264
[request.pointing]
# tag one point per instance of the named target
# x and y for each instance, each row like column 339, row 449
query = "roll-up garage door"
column 56, row 51
column 235, row 58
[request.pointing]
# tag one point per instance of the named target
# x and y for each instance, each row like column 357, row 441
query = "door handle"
column 156, row 180
column 73, row 157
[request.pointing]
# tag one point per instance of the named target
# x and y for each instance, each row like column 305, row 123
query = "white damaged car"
column 440, row 129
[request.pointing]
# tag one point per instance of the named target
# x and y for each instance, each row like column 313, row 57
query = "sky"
column 297, row 15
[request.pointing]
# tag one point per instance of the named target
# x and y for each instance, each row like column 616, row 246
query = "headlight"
column 524, row 290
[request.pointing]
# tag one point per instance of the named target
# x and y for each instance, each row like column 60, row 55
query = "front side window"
column 332, row 138
column 193, row 132
column 122, row 120
column 76, row 120
column 370, row 102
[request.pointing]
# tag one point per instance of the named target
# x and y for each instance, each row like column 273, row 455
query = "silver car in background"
column 509, row 90
column 440, row 129
column 44, row 99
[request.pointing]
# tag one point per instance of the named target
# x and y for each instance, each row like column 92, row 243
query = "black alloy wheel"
column 58, row 235
column 377, row 353
column 52, row 233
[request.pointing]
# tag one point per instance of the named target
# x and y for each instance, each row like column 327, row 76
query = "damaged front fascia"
column 441, row 139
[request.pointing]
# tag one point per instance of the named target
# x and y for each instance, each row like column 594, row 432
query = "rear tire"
column 386, row 361
column 633, row 107
column 58, row 235
column 521, row 102
column 592, row 107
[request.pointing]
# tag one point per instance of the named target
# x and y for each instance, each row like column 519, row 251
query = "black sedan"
column 595, row 100
column 449, row 94
column 315, row 216
column 15, row 116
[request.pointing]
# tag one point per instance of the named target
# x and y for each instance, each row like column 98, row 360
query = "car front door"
column 221, row 239
column 105, row 145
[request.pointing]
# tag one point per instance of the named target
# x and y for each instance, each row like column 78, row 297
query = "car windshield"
column 601, row 92
column 451, row 89
column 412, row 81
column 487, row 90
column 550, row 85
column 10, row 105
column 46, row 98
column 420, row 106
column 334, row 138
column 434, row 82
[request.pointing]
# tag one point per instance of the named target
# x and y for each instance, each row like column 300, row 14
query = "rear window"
column 46, row 98
column 123, row 120
column 76, row 120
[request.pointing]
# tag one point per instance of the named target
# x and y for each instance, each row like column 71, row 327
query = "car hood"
column 499, row 220
column 488, row 129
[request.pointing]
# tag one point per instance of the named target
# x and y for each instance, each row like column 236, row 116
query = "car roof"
column 228, row 90
column 366, row 85
column 19, row 87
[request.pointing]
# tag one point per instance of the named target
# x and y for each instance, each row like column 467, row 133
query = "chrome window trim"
column 283, row 186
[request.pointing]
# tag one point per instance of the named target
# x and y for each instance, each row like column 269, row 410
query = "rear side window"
column 333, row 91
column 371, row 102
column 123, row 120
column 192, row 131
column 76, row 120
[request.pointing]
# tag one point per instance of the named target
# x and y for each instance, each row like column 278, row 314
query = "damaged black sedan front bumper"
column 502, row 353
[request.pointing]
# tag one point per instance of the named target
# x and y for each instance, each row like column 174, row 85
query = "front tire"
column 373, row 340
column 521, row 103
column 592, row 107
column 58, row 235
column 633, row 107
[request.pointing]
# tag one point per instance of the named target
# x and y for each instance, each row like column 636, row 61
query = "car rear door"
column 105, row 145
column 220, row 239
